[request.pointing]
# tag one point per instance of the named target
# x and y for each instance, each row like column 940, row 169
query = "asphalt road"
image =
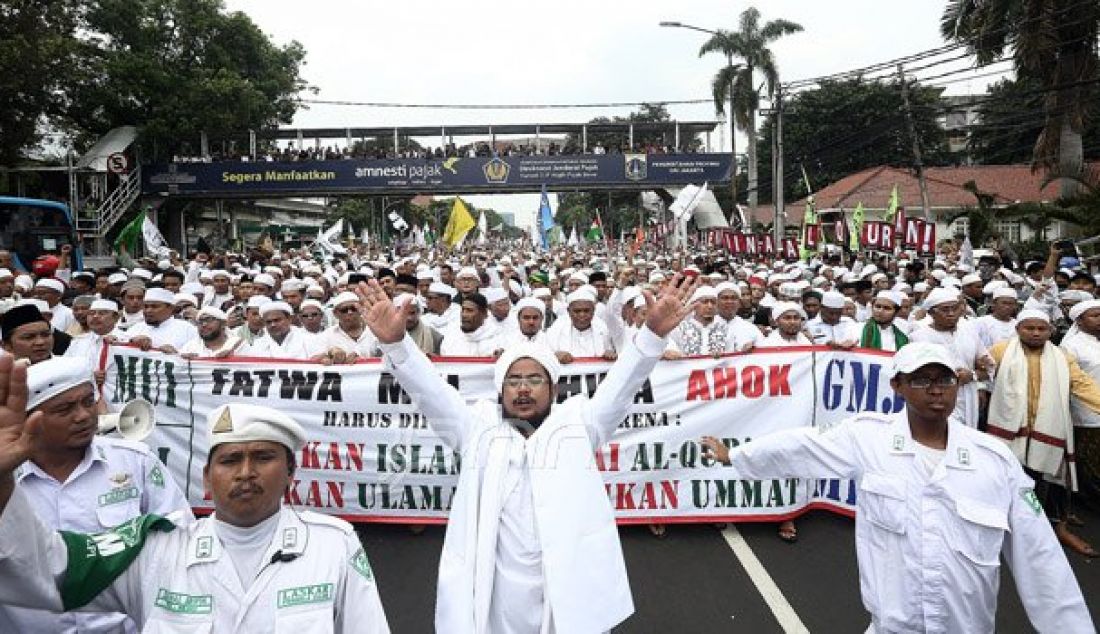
column 691, row 581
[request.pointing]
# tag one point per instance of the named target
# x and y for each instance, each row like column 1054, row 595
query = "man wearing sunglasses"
column 939, row 504
column 349, row 338
column 531, row 541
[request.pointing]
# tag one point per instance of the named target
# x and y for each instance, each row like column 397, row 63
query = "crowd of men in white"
column 584, row 305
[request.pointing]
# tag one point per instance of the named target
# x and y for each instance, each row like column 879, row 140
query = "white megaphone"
column 135, row 421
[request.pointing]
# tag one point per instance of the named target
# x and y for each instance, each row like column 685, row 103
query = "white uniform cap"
column 539, row 293
column 468, row 271
column 1004, row 292
column 54, row 285
column 972, row 278
column 265, row 279
column 104, row 304
column 832, row 299
column 46, row 379
column 1082, row 308
column 161, row 295
column 117, row 278
column 543, row 355
column 219, row 273
column 941, row 296
column 142, row 274
column 531, row 302
column 439, row 288
column 728, row 287
column 494, row 294
column 186, row 298
column 891, row 296
column 425, row 275
column 786, row 307
column 1031, row 313
column 581, row 295
column 992, row 286
column 703, row 292
column 311, row 302
column 271, row 307
column 235, row 423
column 917, row 354
column 213, row 311
column 344, row 298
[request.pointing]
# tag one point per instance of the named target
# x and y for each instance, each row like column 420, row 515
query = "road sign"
column 118, row 163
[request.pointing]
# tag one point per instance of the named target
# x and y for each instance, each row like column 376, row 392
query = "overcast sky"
column 569, row 51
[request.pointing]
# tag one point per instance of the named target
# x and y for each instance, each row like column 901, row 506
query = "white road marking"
column 764, row 583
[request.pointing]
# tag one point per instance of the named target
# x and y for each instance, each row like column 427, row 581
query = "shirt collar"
column 960, row 449
column 291, row 537
column 93, row 454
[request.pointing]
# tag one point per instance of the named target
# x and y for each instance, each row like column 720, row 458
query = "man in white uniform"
column 939, row 503
column 253, row 566
column 531, row 543
column 78, row 481
column 160, row 330
column 581, row 334
column 102, row 330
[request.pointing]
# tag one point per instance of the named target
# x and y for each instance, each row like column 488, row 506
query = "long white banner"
column 372, row 456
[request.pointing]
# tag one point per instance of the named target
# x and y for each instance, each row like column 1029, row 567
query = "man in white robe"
column 476, row 334
column 160, row 330
column 581, row 333
column 284, row 340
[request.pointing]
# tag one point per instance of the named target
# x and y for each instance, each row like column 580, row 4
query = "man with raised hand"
column 939, row 504
column 531, row 542
column 253, row 566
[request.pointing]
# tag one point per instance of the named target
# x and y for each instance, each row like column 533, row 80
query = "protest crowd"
column 1022, row 337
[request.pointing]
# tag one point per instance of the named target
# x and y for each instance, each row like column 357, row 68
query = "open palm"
column 668, row 309
column 385, row 320
column 17, row 431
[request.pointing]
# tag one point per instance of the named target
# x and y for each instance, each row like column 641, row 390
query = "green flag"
column 130, row 236
column 808, row 221
column 892, row 206
column 595, row 232
column 857, row 228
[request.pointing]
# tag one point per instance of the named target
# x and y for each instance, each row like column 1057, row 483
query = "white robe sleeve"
column 609, row 404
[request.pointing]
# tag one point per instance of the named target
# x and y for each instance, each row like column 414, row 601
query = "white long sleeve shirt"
column 929, row 545
column 593, row 342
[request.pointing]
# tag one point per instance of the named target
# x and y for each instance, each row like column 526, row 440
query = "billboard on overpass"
column 446, row 175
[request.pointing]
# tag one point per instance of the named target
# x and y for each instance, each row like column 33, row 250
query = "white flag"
column 328, row 240
column 688, row 198
column 482, row 228
column 572, row 241
column 966, row 253
column 155, row 243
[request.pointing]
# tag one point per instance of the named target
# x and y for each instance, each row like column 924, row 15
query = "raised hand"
column 669, row 308
column 18, row 431
column 716, row 450
column 384, row 319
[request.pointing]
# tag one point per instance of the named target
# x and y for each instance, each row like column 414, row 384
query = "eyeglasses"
column 534, row 380
column 924, row 382
column 309, row 315
column 347, row 309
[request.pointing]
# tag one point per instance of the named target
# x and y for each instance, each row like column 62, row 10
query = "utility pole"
column 780, row 211
column 917, row 161
column 733, row 144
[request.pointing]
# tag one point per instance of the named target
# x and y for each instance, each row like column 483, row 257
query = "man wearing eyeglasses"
column 939, row 503
column 531, row 541
column 214, row 339
column 349, row 338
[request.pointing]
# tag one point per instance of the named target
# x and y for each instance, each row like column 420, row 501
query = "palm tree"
column 1051, row 42
column 735, row 83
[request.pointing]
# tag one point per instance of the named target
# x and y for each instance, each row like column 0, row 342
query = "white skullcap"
column 656, row 276
column 314, row 288
column 638, row 302
column 311, row 302
column 992, row 286
column 703, row 292
column 870, row 269
column 193, row 287
column 972, row 278
column 292, row 284
column 939, row 274
column 46, row 379
column 161, row 295
column 832, row 299
column 104, row 304
column 236, row 423
column 271, row 307
column 630, row 293
column 257, row 301
column 439, row 288
column 6, row 273
column 25, row 282
column 581, row 295
column 920, row 287
column 1031, row 313
column 1003, row 292
column 539, row 293
column 41, row 304
column 180, row 297
column 785, row 307
column 531, row 302
column 579, row 276
column 425, row 275
column 265, row 279
column 213, row 311
column 893, row 297
column 879, row 276
column 404, row 299
column 543, row 355
column 494, row 294
column 344, row 298
column 141, row 274
column 219, row 273
column 468, row 271
column 206, row 274
column 1074, row 296
column 728, row 287
column 941, row 296
column 56, row 286
column 1083, row 307
column 117, row 278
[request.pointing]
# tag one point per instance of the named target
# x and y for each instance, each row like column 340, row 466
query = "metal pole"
column 780, row 211
column 917, row 161
column 733, row 146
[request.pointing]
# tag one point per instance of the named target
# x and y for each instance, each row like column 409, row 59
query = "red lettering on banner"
column 886, row 236
column 330, row 496
column 634, row 496
column 752, row 381
column 608, row 459
column 698, row 388
column 725, row 382
column 310, row 459
column 779, row 380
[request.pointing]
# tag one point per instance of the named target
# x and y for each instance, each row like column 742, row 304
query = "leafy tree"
column 736, row 83
column 35, row 59
column 620, row 140
column 177, row 68
column 842, row 127
column 1051, row 42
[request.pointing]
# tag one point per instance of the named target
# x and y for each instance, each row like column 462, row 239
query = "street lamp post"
column 733, row 126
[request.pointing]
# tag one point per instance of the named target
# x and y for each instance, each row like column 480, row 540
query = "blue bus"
column 32, row 227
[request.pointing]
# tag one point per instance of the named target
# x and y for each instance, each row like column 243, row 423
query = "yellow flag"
column 458, row 225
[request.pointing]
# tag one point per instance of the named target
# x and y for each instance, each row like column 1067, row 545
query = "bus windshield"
column 30, row 228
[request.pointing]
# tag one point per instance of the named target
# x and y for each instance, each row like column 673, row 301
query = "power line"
column 484, row 106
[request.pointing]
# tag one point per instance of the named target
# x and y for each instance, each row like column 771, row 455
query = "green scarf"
column 872, row 336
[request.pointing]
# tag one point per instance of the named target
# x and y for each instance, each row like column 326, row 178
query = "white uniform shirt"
column 173, row 332
column 594, row 342
column 297, row 344
column 845, row 330
column 184, row 581
column 929, row 547
column 117, row 481
column 62, row 317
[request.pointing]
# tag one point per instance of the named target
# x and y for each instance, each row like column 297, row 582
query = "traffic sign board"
column 118, row 163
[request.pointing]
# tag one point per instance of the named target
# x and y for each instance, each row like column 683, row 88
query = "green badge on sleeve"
column 156, row 477
column 1032, row 500
column 362, row 565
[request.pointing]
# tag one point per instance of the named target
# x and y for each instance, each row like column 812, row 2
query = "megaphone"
column 135, row 421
